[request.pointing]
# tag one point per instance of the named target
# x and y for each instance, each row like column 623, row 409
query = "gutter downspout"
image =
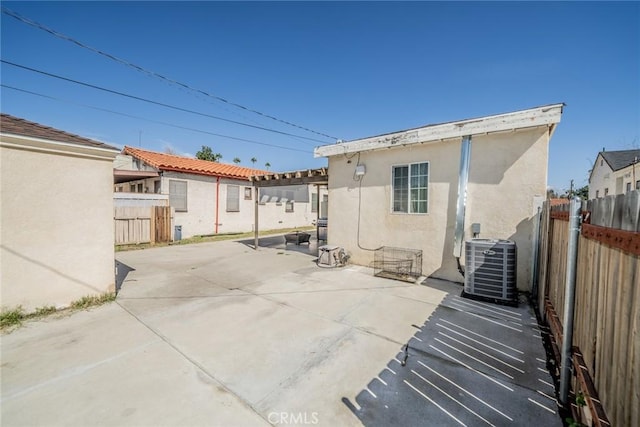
column 463, row 179
column 217, row 202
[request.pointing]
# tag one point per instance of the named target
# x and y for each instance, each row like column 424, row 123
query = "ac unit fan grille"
column 491, row 270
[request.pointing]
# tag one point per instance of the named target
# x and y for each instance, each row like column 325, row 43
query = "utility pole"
column 571, row 190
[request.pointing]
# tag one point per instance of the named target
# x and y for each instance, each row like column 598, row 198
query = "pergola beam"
column 302, row 177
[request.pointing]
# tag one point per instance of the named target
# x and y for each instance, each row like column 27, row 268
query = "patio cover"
column 317, row 177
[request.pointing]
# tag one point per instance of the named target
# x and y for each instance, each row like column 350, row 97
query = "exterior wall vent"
column 491, row 270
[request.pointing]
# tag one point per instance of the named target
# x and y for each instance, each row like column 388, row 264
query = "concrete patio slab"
column 220, row 334
column 103, row 367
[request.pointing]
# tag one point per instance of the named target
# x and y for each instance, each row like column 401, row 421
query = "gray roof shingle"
column 17, row 126
column 621, row 159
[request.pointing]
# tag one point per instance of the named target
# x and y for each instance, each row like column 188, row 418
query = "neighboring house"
column 401, row 189
column 614, row 172
column 56, row 215
column 211, row 197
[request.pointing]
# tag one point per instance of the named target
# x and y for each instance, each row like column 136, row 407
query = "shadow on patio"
column 470, row 363
column 278, row 242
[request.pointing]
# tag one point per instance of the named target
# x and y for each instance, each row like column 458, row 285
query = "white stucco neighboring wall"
column 272, row 215
column 56, row 222
column 507, row 181
column 202, row 210
column 604, row 181
column 201, row 203
column 200, row 216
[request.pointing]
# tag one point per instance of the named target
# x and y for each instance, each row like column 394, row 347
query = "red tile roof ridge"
column 175, row 163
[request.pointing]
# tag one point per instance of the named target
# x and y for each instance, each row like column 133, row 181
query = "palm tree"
column 254, row 160
column 236, row 160
column 267, row 165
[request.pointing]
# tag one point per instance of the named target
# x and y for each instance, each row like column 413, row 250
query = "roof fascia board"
column 541, row 116
column 319, row 180
column 22, row 142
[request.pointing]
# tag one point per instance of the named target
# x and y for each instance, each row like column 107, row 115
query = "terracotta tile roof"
column 17, row 126
column 170, row 162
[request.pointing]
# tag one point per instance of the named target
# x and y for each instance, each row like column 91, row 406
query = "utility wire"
column 35, row 24
column 153, row 121
column 115, row 92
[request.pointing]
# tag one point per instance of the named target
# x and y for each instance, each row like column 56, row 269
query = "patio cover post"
column 255, row 238
column 317, row 209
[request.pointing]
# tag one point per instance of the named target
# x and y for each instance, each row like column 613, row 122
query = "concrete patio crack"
column 195, row 364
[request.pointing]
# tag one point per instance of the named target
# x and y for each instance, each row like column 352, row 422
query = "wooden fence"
column 142, row 224
column 606, row 340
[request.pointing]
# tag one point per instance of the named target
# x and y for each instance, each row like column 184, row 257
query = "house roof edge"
column 546, row 115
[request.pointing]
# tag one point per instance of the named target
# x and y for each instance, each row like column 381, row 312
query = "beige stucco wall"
column 56, row 227
column 507, row 180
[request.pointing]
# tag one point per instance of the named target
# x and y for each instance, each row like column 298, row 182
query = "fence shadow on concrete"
column 470, row 363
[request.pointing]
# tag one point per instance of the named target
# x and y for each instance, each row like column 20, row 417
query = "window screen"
column 233, row 198
column 178, row 195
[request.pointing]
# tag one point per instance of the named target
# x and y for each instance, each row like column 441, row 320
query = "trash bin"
column 177, row 233
column 322, row 229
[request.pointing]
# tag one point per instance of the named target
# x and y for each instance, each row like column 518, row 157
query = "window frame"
column 186, row 195
column 408, row 165
column 289, row 206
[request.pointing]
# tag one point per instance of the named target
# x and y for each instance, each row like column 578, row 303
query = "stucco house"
column 401, row 189
column 56, row 215
column 614, row 172
column 211, row 197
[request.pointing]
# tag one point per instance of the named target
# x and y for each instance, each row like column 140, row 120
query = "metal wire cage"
column 397, row 263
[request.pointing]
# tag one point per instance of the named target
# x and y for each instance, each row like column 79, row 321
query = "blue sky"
column 348, row 70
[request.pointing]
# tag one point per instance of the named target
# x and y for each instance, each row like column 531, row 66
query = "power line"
column 35, row 24
column 154, row 121
column 173, row 107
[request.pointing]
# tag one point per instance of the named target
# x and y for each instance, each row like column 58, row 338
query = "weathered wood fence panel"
column 607, row 303
column 142, row 224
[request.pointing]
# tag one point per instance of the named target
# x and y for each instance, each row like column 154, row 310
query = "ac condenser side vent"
column 491, row 270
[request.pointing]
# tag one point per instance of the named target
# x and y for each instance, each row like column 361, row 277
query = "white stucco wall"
column 201, row 203
column 507, row 179
column 56, row 225
column 200, row 217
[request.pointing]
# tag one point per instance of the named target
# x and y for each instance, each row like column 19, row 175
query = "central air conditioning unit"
column 490, row 272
